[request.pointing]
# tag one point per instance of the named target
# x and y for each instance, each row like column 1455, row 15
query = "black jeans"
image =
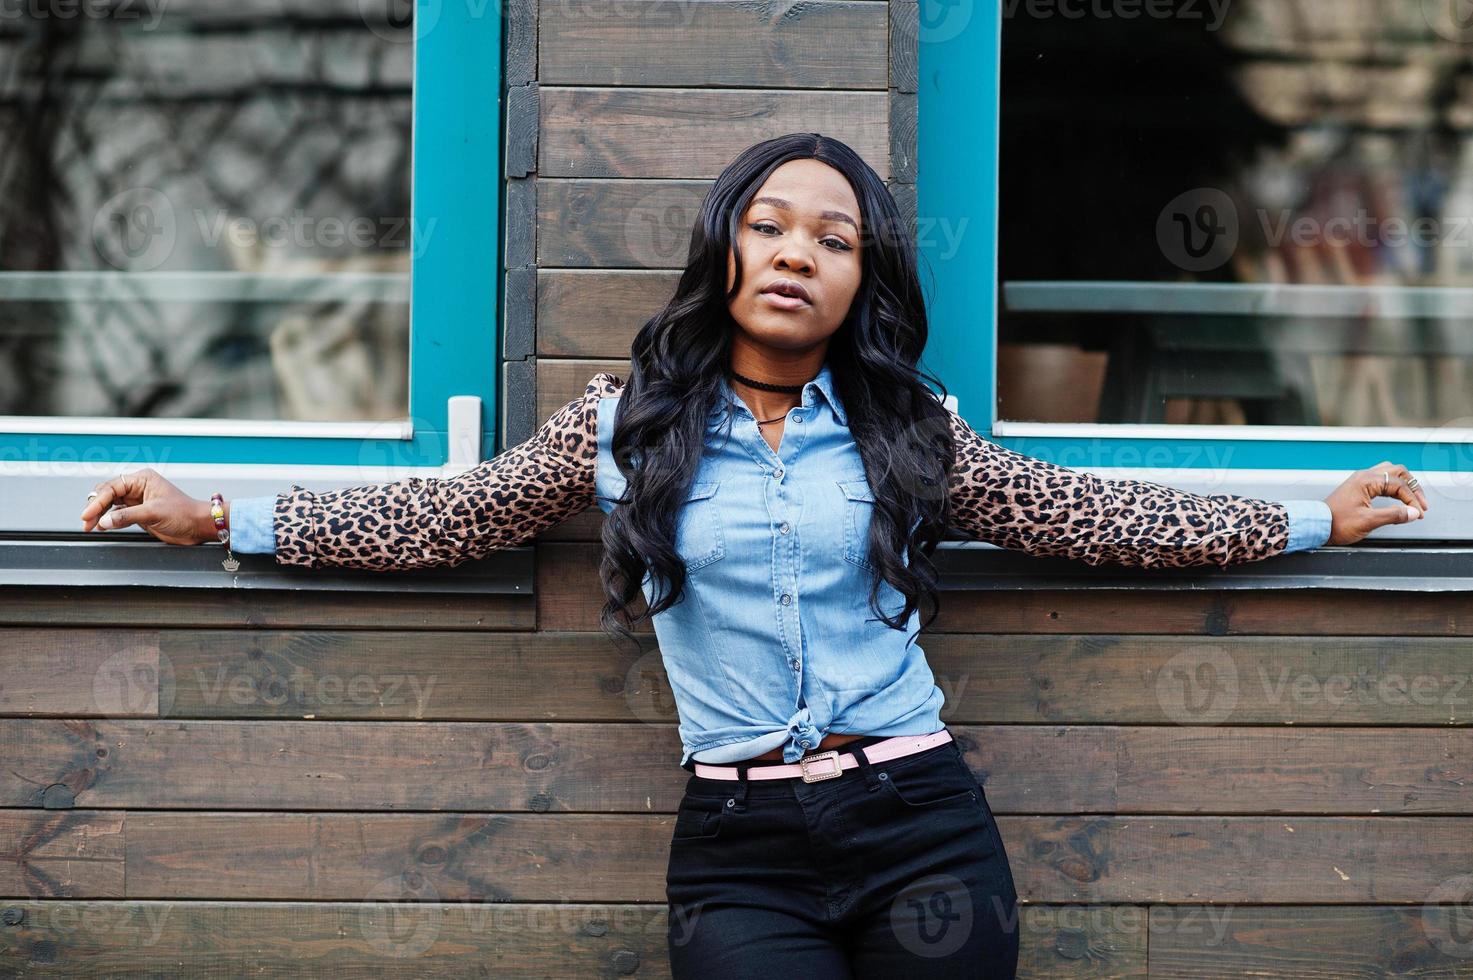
column 894, row 869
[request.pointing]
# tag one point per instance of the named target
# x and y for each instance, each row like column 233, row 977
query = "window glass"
column 205, row 209
column 1256, row 212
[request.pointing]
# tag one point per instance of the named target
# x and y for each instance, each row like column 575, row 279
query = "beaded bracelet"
column 222, row 531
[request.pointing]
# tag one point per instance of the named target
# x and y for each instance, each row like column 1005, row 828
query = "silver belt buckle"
column 832, row 755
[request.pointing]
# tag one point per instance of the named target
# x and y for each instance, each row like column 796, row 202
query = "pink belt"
column 836, row 762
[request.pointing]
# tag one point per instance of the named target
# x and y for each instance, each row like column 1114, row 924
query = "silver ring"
column 92, row 494
column 1385, row 482
column 1412, row 483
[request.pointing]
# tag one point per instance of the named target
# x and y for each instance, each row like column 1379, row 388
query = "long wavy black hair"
column 900, row 427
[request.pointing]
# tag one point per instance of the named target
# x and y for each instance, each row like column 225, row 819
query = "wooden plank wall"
column 1210, row 785
column 1189, row 785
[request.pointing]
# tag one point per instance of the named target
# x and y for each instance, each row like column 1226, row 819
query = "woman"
column 773, row 472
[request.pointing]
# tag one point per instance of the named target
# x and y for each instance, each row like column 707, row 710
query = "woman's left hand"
column 1352, row 514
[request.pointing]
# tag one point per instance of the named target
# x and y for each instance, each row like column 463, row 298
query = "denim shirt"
column 773, row 642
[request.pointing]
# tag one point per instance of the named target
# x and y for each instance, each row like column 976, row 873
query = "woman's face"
column 802, row 225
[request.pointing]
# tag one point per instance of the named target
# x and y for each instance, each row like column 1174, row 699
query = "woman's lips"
column 785, row 302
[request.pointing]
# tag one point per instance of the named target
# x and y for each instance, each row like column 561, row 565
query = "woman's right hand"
column 148, row 500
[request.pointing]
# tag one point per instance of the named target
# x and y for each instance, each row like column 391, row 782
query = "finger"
column 1406, row 474
column 1404, row 493
column 1395, row 514
column 120, row 517
column 125, row 489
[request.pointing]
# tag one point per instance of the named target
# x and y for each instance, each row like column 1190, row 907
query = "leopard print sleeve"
column 424, row 521
column 1019, row 502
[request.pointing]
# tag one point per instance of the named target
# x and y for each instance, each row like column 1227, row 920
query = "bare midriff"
column 831, row 740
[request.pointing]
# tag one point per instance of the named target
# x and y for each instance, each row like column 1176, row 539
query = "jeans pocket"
column 930, row 782
column 698, row 818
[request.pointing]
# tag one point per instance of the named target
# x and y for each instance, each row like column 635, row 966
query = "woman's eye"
column 763, row 226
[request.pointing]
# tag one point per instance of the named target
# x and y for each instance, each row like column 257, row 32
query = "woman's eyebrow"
column 778, row 202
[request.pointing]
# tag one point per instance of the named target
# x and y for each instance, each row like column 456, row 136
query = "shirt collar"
column 822, row 382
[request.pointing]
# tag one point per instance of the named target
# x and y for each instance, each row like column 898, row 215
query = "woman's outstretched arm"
column 1016, row 501
column 420, row 522
column 416, row 522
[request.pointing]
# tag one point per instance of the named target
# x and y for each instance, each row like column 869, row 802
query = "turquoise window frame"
column 455, row 280
column 959, row 95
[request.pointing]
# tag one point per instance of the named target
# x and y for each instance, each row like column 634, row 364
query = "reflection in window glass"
column 205, row 209
column 1249, row 213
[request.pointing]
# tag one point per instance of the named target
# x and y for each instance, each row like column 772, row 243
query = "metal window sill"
column 134, row 559
column 1444, row 566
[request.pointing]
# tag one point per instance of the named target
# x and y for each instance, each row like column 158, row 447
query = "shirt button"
column 778, row 474
column 806, row 744
column 797, row 418
column 787, row 600
column 783, row 527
